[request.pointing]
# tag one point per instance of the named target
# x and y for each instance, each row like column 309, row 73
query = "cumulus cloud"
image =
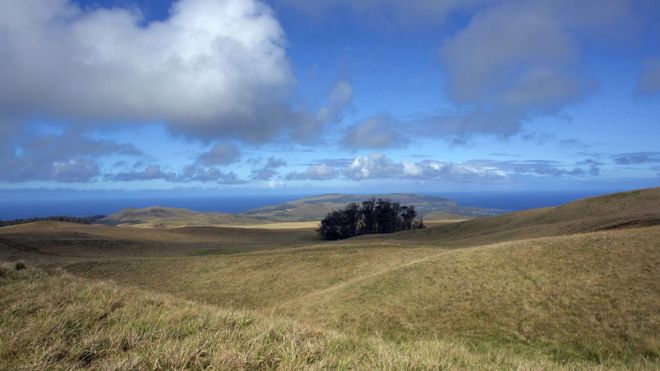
column 649, row 79
column 378, row 132
column 219, row 154
column 189, row 173
column 214, row 68
column 198, row 173
column 379, row 166
column 373, row 166
column 455, row 172
column 268, row 170
column 69, row 157
column 151, row 172
column 314, row 172
column 513, row 62
column 539, row 168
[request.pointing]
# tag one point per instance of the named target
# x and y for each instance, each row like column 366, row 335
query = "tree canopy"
column 369, row 217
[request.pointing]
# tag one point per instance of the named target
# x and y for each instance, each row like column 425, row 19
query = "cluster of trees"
column 372, row 216
column 68, row 219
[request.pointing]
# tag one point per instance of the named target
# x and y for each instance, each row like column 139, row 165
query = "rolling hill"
column 67, row 322
column 310, row 209
column 167, row 217
column 616, row 211
column 317, row 207
column 570, row 287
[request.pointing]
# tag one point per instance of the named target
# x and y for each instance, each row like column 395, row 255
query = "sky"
column 295, row 96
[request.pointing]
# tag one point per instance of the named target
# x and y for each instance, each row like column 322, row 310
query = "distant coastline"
column 84, row 207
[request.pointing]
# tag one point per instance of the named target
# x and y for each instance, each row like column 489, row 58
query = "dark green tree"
column 372, row 216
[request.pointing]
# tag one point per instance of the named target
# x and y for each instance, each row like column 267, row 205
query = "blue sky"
column 292, row 96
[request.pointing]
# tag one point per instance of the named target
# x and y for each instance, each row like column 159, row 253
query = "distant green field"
column 574, row 287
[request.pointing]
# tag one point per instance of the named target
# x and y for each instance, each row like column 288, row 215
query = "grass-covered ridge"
column 616, row 211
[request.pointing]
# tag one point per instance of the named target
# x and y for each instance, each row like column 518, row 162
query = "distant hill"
column 168, row 217
column 306, row 209
column 615, row 211
column 60, row 218
column 317, row 207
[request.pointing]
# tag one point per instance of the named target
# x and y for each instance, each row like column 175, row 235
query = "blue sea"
column 41, row 205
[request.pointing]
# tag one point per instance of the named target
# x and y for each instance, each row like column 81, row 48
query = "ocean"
column 16, row 208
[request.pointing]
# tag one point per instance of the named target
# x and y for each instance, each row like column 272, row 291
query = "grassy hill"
column 621, row 210
column 310, row 209
column 572, row 287
column 317, row 207
column 71, row 323
column 168, row 217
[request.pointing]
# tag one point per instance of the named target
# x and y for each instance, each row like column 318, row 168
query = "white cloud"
column 373, row 166
column 513, row 62
column 379, row 166
column 214, row 68
column 198, row 173
column 411, row 169
column 189, row 173
column 151, row 172
column 68, row 157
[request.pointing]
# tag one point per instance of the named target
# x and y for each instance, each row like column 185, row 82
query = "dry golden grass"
column 281, row 225
column 589, row 296
column 592, row 296
column 527, row 290
column 616, row 211
column 57, row 321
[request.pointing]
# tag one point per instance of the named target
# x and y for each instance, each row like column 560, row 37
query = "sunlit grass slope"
column 580, row 297
column 589, row 296
column 57, row 321
column 573, row 287
column 615, row 211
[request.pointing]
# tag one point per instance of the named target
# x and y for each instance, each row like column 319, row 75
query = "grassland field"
column 573, row 287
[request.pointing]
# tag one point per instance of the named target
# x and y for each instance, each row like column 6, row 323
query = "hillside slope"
column 618, row 210
column 306, row 209
column 71, row 323
column 59, row 241
column 168, row 217
column 317, row 207
column 590, row 296
column 572, row 287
